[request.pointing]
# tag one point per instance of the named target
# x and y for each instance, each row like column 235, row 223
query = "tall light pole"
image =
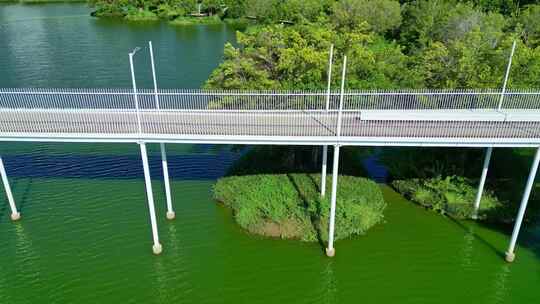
column 156, row 248
column 325, row 147
column 170, row 212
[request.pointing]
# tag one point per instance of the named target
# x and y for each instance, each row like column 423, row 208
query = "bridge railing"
column 412, row 113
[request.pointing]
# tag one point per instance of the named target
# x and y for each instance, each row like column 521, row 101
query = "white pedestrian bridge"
column 439, row 118
column 361, row 118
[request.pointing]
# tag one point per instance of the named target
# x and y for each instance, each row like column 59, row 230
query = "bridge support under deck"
column 170, row 212
column 156, row 248
column 330, row 251
column 15, row 215
column 510, row 255
column 487, row 159
column 323, row 171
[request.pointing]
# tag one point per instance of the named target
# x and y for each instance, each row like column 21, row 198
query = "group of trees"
column 390, row 44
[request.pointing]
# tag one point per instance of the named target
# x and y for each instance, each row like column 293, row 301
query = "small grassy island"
column 289, row 206
column 452, row 195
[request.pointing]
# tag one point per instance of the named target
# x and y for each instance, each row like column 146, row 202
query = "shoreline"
column 147, row 16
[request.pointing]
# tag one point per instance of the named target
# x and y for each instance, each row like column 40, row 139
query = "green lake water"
column 85, row 234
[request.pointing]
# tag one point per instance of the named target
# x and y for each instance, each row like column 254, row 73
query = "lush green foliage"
column 530, row 20
column 420, row 44
column 451, row 195
column 190, row 20
column 381, row 15
column 295, row 57
column 289, row 206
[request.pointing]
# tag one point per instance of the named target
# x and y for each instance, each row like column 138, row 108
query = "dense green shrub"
column 380, row 15
column 530, row 20
column 195, row 20
column 141, row 15
column 452, row 195
column 289, row 205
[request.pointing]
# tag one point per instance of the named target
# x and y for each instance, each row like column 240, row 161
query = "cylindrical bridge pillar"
column 510, row 255
column 330, row 251
column 170, row 212
column 15, row 215
column 487, row 158
column 156, row 248
column 323, row 171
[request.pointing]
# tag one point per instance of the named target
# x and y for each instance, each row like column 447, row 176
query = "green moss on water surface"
column 289, row 206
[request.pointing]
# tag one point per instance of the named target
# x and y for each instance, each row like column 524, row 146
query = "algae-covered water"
column 85, row 234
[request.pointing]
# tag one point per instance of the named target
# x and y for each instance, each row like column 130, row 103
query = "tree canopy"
column 412, row 44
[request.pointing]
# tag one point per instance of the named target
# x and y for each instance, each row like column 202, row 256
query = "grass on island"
column 452, row 195
column 196, row 20
column 289, row 206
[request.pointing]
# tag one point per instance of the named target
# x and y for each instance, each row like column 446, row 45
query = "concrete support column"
column 156, row 248
column 15, row 215
column 510, row 255
column 170, row 212
column 323, row 172
column 330, row 251
column 487, row 159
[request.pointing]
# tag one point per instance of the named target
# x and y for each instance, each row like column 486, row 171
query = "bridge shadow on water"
column 469, row 230
column 22, row 169
column 181, row 167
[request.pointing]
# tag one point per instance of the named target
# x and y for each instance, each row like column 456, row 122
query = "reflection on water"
column 466, row 252
column 329, row 286
column 28, row 259
column 500, row 284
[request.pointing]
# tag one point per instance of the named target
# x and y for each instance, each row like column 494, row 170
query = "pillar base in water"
column 330, row 252
column 157, row 249
column 510, row 257
column 15, row 216
column 474, row 217
column 171, row 215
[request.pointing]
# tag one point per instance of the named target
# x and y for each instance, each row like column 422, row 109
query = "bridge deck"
column 174, row 124
column 404, row 118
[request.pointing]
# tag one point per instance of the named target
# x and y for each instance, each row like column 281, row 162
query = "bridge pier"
column 323, row 171
column 15, row 215
column 170, row 212
column 330, row 251
column 487, row 159
column 156, row 248
column 510, row 255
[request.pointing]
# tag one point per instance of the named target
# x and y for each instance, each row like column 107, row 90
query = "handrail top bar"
column 199, row 92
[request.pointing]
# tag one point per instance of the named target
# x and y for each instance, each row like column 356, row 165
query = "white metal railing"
column 412, row 113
